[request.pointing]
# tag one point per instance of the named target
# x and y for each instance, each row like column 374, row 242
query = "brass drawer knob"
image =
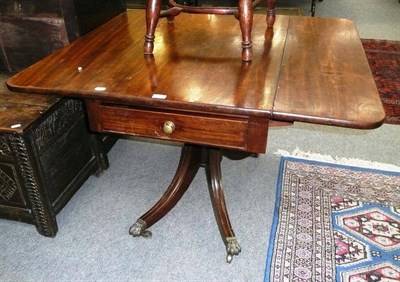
column 168, row 127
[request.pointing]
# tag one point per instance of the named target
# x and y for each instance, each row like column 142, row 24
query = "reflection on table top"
column 304, row 69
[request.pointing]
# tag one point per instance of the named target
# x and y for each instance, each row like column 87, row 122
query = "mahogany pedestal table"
column 194, row 89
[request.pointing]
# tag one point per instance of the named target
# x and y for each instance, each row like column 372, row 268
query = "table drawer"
column 176, row 126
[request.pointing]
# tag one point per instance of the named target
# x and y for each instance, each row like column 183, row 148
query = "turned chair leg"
column 246, row 24
column 152, row 16
column 271, row 11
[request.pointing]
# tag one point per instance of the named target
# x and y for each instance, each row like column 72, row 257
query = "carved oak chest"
column 46, row 153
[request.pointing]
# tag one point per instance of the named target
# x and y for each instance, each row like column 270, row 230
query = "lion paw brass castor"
column 232, row 248
column 139, row 229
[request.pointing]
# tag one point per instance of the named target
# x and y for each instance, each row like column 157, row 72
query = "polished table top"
column 304, row 69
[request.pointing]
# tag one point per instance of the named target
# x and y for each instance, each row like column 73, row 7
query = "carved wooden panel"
column 23, row 46
column 8, row 185
column 42, row 216
column 10, row 188
column 32, row 29
column 57, row 123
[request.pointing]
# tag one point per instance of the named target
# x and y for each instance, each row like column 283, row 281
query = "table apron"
column 244, row 133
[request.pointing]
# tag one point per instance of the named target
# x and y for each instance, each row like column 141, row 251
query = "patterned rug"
column 334, row 223
column 384, row 59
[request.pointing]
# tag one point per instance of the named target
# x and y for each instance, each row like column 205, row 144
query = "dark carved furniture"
column 195, row 89
column 46, row 153
column 32, row 29
column 35, row 186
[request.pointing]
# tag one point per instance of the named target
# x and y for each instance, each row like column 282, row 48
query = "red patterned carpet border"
column 384, row 60
column 334, row 223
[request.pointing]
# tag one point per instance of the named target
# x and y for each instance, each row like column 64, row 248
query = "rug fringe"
column 297, row 153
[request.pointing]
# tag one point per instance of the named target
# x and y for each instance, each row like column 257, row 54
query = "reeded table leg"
column 214, row 176
column 188, row 166
column 191, row 158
